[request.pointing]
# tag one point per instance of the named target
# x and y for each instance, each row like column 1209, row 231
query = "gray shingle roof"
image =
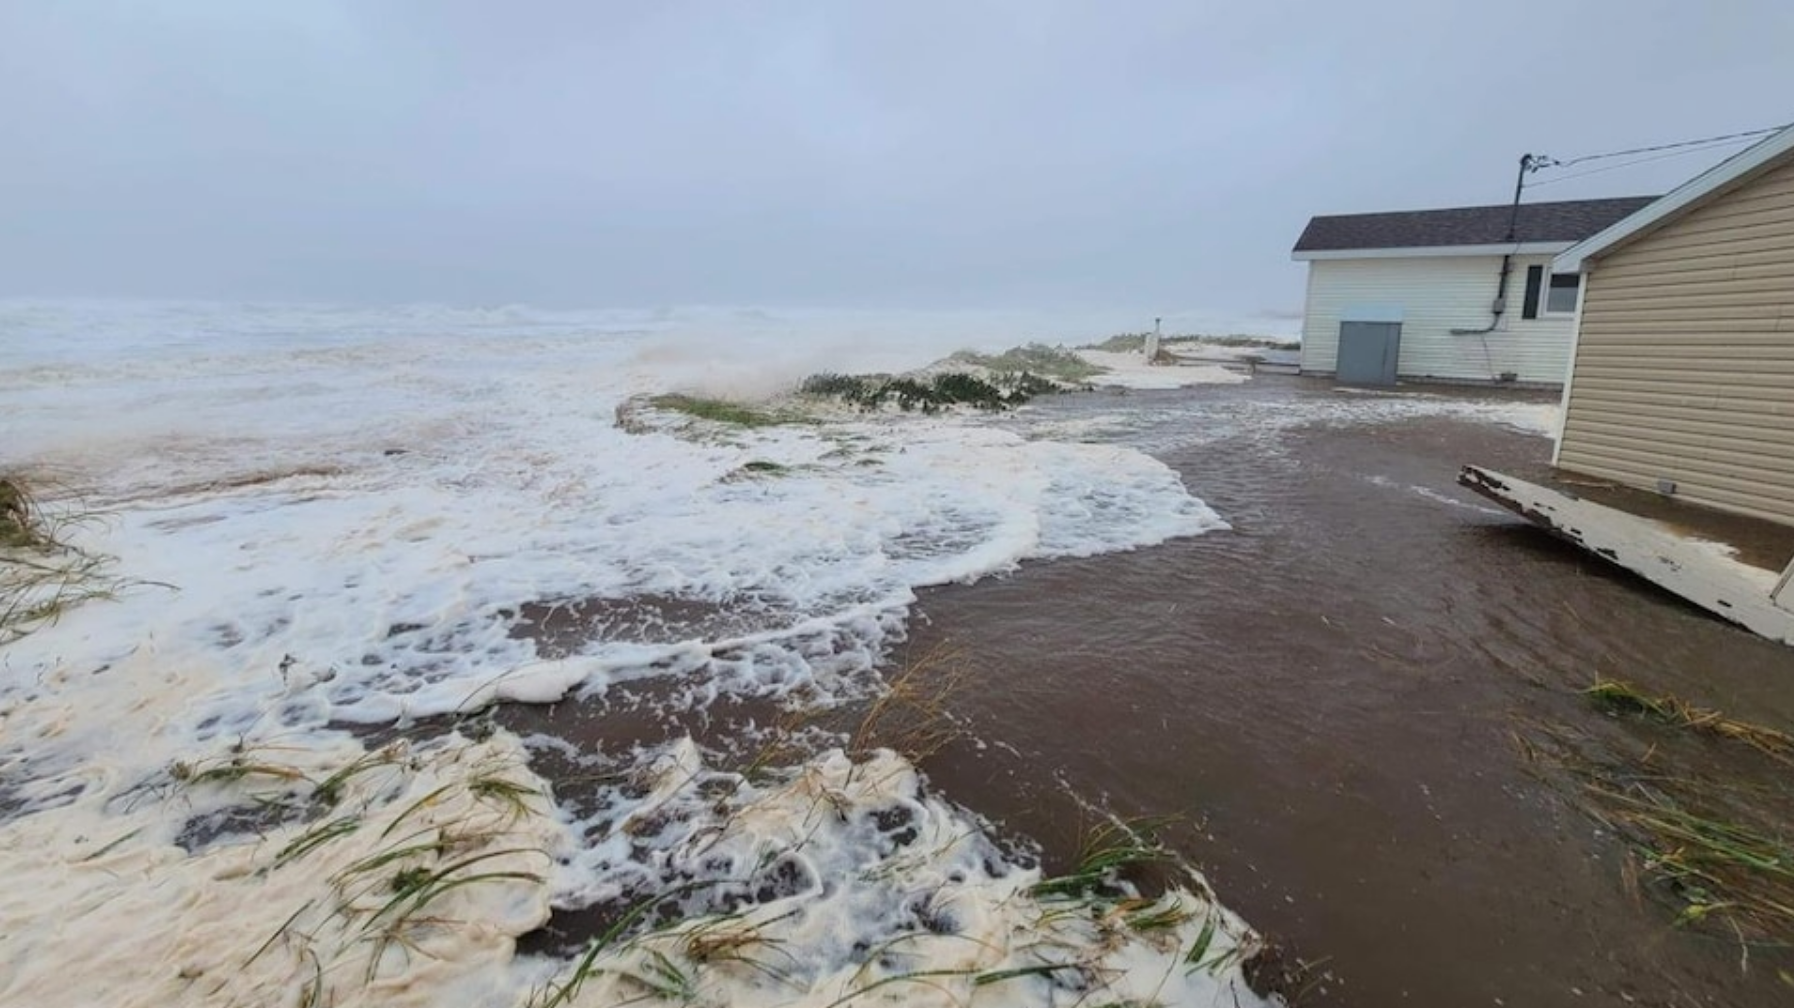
column 1567, row 221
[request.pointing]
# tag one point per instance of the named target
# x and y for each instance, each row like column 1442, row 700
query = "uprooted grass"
column 1718, row 864
column 42, row 573
column 1077, row 920
column 1716, row 845
column 1623, row 698
column 388, row 890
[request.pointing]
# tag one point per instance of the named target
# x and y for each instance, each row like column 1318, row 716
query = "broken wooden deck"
column 1722, row 587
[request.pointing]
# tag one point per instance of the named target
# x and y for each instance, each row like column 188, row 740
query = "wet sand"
column 1333, row 691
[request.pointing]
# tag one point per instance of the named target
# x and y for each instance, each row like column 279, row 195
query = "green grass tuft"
column 507, row 794
column 42, row 574
column 954, row 388
column 316, row 837
column 1108, row 850
column 20, row 524
column 230, row 769
column 718, row 411
column 1623, row 698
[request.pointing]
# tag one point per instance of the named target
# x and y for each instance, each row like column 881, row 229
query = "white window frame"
column 1545, row 309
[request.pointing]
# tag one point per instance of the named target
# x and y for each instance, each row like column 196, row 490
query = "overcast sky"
column 1019, row 154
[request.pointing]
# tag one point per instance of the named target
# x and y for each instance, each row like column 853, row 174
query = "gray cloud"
column 1021, row 154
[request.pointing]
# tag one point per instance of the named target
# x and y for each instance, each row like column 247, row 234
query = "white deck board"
column 1644, row 548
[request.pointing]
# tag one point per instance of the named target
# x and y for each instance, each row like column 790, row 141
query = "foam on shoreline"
column 327, row 518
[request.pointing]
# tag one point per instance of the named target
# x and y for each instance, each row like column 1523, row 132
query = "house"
column 1683, row 363
column 1422, row 291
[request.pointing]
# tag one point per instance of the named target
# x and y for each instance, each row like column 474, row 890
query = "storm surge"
column 322, row 524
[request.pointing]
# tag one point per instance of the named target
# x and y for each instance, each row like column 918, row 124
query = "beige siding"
column 1438, row 294
column 1685, row 362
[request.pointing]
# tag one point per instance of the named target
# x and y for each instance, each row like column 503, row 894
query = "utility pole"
column 1529, row 163
column 1513, row 216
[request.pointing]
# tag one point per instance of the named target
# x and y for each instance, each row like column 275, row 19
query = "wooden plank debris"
column 1647, row 549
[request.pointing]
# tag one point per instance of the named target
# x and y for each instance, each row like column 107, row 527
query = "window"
column 1561, row 298
column 1535, row 279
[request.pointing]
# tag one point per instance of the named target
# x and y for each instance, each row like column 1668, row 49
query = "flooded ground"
column 1341, row 700
column 1333, row 692
column 1353, row 689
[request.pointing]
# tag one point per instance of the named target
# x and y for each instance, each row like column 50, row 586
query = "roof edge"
column 1429, row 251
column 1679, row 200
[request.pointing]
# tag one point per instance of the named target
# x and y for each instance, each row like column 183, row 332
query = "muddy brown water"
column 1328, row 697
column 1332, row 689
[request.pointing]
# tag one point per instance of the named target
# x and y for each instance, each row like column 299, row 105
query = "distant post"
column 1152, row 343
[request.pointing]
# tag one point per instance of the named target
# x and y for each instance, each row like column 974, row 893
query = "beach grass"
column 42, row 573
column 720, row 411
column 20, row 523
column 913, row 714
column 1037, row 359
column 928, row 395
column 756, row 469
column 1106, row 851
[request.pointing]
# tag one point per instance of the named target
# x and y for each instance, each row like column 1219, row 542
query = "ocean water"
column 326, row 515
column 372, row 495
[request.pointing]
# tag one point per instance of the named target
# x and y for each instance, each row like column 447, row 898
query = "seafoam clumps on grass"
column 340, row 517
column 1038, row 359
column 273, row 866
column 320, row 873
column 997, row 381
column 1133, row 371
column 1099, row 366
column 299, row 872
column 842, row 880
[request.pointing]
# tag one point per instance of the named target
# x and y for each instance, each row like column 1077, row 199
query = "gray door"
column 1368, row 352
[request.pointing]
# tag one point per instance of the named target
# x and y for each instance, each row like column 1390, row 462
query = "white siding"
column 1439, row 294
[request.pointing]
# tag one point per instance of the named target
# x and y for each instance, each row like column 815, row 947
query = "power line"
column 1627, row 164
column 1549, row 162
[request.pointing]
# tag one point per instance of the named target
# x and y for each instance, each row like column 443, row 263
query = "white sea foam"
column 1131, row 370
column 885, row 889
column 1540, row 418
column 1167, row 423
column 332, row 514
column 376, row 494
column 1433, row 495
